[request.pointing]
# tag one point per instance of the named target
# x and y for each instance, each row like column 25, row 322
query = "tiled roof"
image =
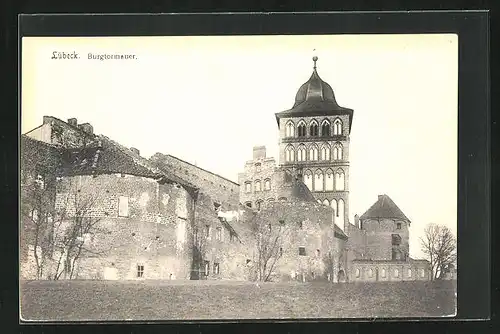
column 384, row 208
column 339, row 233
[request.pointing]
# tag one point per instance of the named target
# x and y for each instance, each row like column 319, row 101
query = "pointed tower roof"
column 315, row 98
column 384, row 208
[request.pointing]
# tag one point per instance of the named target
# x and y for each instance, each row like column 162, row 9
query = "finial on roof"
column 315, row 59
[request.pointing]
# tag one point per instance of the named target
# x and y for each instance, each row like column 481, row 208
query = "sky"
column 208, row 100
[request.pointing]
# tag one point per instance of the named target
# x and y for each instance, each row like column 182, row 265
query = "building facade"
column 314, row 140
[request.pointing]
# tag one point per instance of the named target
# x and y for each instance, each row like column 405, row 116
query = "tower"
column 314, row 141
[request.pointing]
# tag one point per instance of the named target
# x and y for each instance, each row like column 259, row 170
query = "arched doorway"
column 341, row 276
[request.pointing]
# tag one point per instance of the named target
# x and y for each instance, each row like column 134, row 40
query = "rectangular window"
column 398, row 226
column 396, row 273
column 218, row 233
column 422, row 273
column 207, row 231
column 358, row 272
column 409, row 272
column 216, row 268
column 140, row 270
column 383, row 272
column 123, row 206
column 207, row 268
column 248, row 187
column 302, row 251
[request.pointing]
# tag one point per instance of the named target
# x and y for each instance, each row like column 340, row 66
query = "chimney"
column 356, row 221
column 72, row 121
column 86, row 127
column 259, row 152
column 136, row 151
column 47, row 119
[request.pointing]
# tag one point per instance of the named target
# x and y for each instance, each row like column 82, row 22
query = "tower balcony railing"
column 314, row 138
column 316, row 163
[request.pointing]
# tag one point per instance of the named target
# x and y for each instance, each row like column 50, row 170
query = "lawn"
column 183, row 300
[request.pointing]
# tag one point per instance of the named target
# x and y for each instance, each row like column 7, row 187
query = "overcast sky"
column 209, row 100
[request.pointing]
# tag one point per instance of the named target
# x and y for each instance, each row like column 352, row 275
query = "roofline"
column 32, row 130
column 25, row 136
column 222, row 177
column 71, row 126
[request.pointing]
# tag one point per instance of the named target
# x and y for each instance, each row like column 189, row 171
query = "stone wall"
column 378, row 238
column 56, row 131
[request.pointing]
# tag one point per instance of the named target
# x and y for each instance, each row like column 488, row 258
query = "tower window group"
column 314, row 129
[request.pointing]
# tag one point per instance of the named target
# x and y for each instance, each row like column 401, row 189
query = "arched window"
column 319, row 201
column 383, row 273
column 290, row 129
column 340, row 214
column 301, row 129
column 337, row 151
column 289, row 153
column 270, row 200
column 308, row 179
column 339, row 180
column 313, row 152
column 313, row 129
column 325, row 128
column 258, row 204
column 326, row 202
column 370, row 272
column 337, row 127
column 325, row 152
column 318, row 180
column 333, row 204
column 329, row 181
column 248, row 187
column 257, row 185
column 267, row 184
column 396, row 273
column 358, row 273
column 301, row 153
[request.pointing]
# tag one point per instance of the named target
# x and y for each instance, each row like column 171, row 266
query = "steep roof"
column 384, row 208
column 293, row 188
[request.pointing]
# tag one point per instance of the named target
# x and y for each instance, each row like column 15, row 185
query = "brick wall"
column 56, row 131
column 308, row 225
column 379, row 238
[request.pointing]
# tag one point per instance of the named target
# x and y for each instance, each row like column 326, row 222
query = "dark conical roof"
column 384, row 208
column 315, row 89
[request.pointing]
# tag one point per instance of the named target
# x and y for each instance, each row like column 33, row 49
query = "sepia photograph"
column 238, row 177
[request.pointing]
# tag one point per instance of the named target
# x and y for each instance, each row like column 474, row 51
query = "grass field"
column 178, row 300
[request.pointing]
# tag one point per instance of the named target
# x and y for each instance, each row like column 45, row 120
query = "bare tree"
column 37, row 208
column 76, row 221
column 439, row 245
column 269, row 239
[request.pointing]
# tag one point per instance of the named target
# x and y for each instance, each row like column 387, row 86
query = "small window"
column 396, row 239
column 409, row 272
column 281, row 251
column 231, row 237
column 248, row 187
column 216, row 206
column 318, row 253
column 396, row 273
column 216, row 268
column 269, row 227
column 257, row 185
column 207, row 231
column 422, row 273
column 267, row 184
column 40, row 181
column 248, row 261
column 140, row 270
column 218, row 233
column 207, row 268
column 282, row 222
column 300, row 225
column 257, row 166
column 249, row 204
column 383, row 273
column 370, row 272
column 302, row 251
column 398, row 226
column 123, row 206
column 358, row 272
